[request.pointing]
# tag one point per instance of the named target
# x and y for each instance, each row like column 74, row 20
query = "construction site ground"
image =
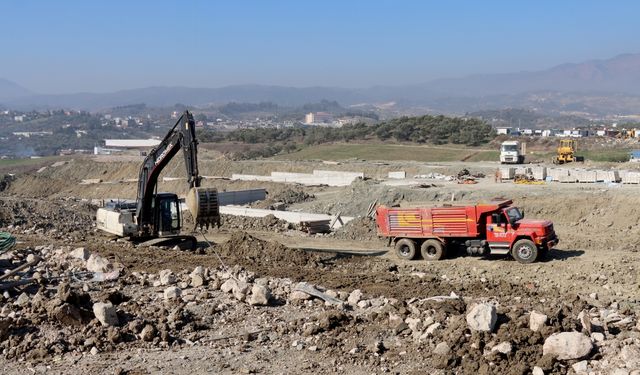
column 594, row 269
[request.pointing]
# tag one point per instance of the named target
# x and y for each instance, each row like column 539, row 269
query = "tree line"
column 422, row 130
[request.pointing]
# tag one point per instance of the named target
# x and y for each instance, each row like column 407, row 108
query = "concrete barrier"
column 631, row 178
column 539, row 173
column 557, row 173
column 291, row 217
column 607, row 176
column 507, row 173
column 330, row 178
column 399, row 175
column 226, row 198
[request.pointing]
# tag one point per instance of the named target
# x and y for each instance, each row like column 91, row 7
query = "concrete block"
column 323, row 173
column 585, row 175
column 399, row 175
column 241, row 197
column 631, row 178
column 607, row 176
column 507, row 173
column 565, row 179
column 523, row 170
column 291, row 217
column 557, row 173
column 539, row 173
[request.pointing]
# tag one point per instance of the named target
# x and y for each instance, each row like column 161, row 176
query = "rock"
column 432, row 328
column 298, row 295
column 148, row 333
column 106, row 314
column 260, row 296
column 442, row 349
column 415, row 324
column 96, row 263
column 537, row 320
column 172, row 292
column 482, row 317
column 597, row 337
column 537, row 371
column 363, row 304
column 240, row 291
column 581, row 367
column 23, row 299
column 167, row 277
column 631, row 356
column 504, row 348
column 585, row 321
column 620, row 371
column 593, row 296
column 567, row 345
column 67, row 314
column 80, row 253
column 354, row 297
column 94, row 351
column 197, row 280
column 228, row 286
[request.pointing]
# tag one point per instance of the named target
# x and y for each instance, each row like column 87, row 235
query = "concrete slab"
column 291, row 217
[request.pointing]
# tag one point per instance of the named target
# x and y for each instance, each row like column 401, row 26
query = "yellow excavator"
column 566, row 152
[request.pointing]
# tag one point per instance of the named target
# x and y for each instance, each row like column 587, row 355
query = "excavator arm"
column 201, row 202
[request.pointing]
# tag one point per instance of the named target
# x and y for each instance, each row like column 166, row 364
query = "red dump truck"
column 493, row 228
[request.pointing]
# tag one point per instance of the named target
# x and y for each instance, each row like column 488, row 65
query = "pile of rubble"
column 361, row 228
column 80, row 302
column 66, row 219
column 267, row 223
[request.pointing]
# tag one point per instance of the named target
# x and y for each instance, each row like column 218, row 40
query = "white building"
column 503, row 131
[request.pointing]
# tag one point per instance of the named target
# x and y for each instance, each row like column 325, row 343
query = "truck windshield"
column 514, row 214
column 509, row 148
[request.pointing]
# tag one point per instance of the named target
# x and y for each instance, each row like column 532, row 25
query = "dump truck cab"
column 507, row 226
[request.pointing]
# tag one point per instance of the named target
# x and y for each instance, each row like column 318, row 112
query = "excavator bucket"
column 203, row 205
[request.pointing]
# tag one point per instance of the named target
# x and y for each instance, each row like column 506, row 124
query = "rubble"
column 106, row 314
column 482, row 317
column 567, row 345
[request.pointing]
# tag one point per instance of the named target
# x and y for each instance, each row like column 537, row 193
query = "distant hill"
column 590, row 88
column 10, row 90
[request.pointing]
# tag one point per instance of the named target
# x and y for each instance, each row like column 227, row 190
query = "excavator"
column 155, row 218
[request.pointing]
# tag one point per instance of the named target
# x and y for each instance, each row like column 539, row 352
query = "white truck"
column 512, row 152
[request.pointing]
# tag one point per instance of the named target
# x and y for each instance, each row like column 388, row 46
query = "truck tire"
column 406, row 249
column 524, row 251
column 432, row 250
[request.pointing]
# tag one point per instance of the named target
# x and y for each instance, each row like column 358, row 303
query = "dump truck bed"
column 448, row 221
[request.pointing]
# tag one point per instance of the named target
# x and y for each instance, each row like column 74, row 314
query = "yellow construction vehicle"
column 567, row 152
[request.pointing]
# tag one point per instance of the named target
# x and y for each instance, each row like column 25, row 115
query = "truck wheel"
column 432, row 250
column 406, row 249
column 524, row 251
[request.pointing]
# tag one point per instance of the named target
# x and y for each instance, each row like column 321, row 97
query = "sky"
column 67, row 46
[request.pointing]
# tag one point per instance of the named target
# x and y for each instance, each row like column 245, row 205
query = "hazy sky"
column 96, row 46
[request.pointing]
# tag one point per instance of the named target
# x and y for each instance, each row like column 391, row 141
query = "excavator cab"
column 166, row 209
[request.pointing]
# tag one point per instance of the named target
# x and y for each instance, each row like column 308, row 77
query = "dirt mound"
column 284, row 198
column 267, row 223
column 361, row 228
column 270, row 258
column 57, row 218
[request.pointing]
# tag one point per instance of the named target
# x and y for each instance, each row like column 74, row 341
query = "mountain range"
column 588, row 87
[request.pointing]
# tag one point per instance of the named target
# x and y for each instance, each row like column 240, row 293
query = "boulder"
column 354, row 297
column 260, row 296
column 537, row 320
column 482, row 317
column 567, row 345
column 106, row 314
column 167, row 277
column 172, row 292
column 96, row 263
column 80, row 253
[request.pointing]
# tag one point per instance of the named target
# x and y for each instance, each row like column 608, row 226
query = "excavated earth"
column 237, row 306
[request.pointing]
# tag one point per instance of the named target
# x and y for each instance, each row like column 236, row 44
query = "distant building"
column 634, row 156
column 309, row 118
column 503, row 131
column 19, row 118
column 131, row 143
column 318, row 118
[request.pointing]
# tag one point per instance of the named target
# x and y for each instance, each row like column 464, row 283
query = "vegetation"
column 424, row 153
column 421, row 130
